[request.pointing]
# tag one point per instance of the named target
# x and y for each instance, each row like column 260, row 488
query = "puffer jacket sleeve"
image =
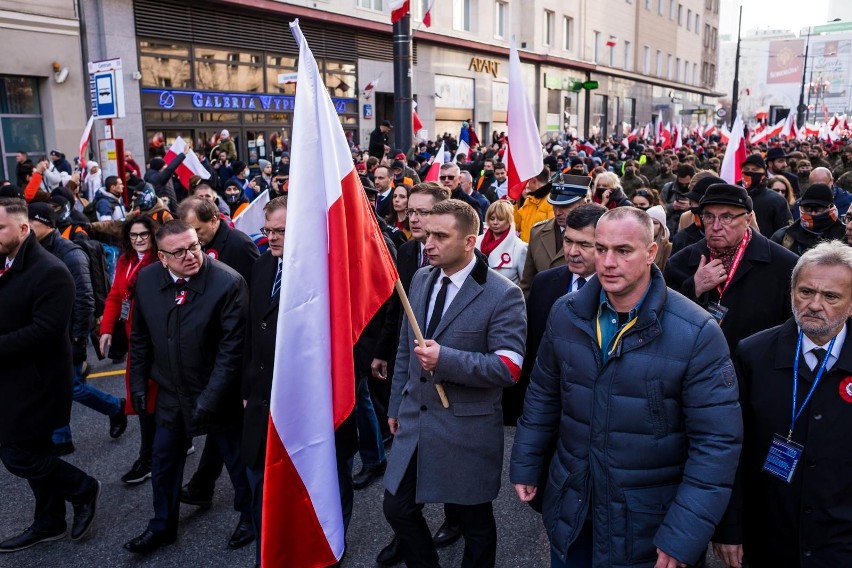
column 714, row 426
column 542, row 409
column 84, row 297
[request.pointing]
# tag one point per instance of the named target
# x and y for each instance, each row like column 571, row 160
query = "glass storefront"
column 195, row 92
column 21, row 126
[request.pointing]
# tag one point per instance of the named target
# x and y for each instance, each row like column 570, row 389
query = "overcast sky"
column 775, row 14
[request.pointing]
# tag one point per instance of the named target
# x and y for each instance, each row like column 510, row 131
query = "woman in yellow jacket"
column 535, row 207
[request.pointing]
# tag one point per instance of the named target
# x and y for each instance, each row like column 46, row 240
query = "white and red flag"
column 399, row 9
column 84, row 140
column 523, row 144
column 427, row 14
column 789, row 129
column 735, row 153
column 435, row 168
column 337, row 273
column 190, row 166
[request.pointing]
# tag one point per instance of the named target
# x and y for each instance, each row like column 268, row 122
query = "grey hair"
column 827, row 253
column 466, row 175
column 643, row 219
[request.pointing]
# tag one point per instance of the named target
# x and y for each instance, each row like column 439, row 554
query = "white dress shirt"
column 811, row 359
column 456, row 281
column 575, row 277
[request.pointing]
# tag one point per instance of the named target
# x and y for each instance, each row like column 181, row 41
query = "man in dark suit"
column 797, row 515
column 475, row 325
column 188, row 335
column 578, row 248
column 410, row 258
column 235, row 249
column 36, row 297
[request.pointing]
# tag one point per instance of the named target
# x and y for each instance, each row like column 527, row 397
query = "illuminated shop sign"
column 168, row 99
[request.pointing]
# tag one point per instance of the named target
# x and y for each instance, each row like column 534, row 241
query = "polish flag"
column 435, row 168
column 710, row 130
column 427, row 14
column 399, row 9
column 630, row 138
column 190, row 165
column 735, row 153
column 523, row 147
column 416, row 123
column 84, row 140
column 252, row 218
column 678, row 137
column 666, row 135
column 341, row 273
column 789, row 129
column 370, row 87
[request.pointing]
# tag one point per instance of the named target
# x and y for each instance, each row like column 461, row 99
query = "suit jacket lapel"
column 549, row 238
column 423, row 313
column 469, row 290
column 266, row 281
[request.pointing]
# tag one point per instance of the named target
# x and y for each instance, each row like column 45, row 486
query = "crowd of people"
column 642, row 322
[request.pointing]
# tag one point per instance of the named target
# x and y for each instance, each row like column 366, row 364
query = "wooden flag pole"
column 418, row 334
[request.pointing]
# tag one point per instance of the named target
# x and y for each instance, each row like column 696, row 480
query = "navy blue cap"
column 567, row 189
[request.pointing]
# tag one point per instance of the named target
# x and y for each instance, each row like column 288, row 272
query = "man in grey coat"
column 636, row 384
column 475, row 325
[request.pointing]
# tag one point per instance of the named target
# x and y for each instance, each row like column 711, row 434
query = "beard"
column 815, row 329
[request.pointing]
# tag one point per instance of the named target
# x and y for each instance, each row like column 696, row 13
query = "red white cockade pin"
column 213, row 253
column 846, row 389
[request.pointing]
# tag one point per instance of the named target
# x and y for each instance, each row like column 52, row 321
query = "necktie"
column 580, row 282
column 276, row 285
column 438, row 309
column 424, row 260
column 820, row 354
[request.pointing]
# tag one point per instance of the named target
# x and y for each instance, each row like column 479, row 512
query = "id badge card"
column 718, row 311
column 783, row 457
column 125, row 309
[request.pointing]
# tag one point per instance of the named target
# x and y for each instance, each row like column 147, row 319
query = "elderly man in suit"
column 475, row 323
column 545, row 250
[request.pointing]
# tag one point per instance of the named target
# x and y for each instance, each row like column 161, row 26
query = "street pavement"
column 124, row 511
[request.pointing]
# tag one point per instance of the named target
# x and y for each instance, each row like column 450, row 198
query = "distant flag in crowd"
column 416, row 123
column 341, row 273
column 84, row 140
column 523, row 155
column 252, row 217
column 789, row 129
column 710, row 129
column 735, row 153
column 611, row 42
column 399, row 9
column 666, row 136
column 763, row 133
column 630, row 138
column 435, row 168
column 724, row 134
column 648, row 132
column 190, row 166
column 678, row 135
column 464, row 141
column 370, row 87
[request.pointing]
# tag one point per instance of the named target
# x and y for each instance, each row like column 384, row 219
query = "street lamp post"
column 800, row 115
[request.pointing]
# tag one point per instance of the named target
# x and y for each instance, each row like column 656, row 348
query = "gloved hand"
column 139, row 401
column 78, row 350
column 201, row 416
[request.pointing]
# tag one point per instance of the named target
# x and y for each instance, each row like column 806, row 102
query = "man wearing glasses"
column 818, row 221
column 450, row 176
column 735, row 273
column 847, row 220
column 188, row 334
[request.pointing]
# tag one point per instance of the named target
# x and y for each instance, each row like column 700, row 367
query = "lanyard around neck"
column 820, row 372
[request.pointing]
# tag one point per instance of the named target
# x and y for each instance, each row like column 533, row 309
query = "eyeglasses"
column 708, row 219
column 813, row 209
column 418, row 212
column 442, row 178
column 268, row 232
column 847, row 218
column 144, row 235
column 280, row 180
column 180, row 253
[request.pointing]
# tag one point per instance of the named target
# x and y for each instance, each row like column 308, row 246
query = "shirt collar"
column 604, row 304
column 459, row 277
column 175, row 277
column 808, row 345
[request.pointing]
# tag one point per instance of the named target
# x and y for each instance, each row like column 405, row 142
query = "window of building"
column 648, row 4
column 224, row 69
column 628, row 56
column 600, row 104
column 630, row 111
column 659, row 63
column 714, row 39
column 500, row 15
column 554, row 99
column 567, row 33
column 371, row 4
column 694, row 73
column 462, row 15
column 20, row 122
column 688, row 20
column 164, row 65
column 706, row 35
column 669, row 69
column 646, row 60
column 597, row 47
column 611, row 49
column 660, row 7
column 680, row 14
column 549, row 18
column 671, row 9
column 697, row 24
column 278, row 65
column 677, row 68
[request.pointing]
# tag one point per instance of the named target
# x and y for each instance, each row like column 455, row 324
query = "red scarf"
column 490, row 242
column 137, row 266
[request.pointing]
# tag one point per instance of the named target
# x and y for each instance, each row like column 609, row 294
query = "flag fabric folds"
column 399, row 9
column 84, row 140
column 190, row 166
column 735, row 153
column 523, row 156
column 337, row 273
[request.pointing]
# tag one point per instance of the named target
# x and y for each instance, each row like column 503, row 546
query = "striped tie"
column 276, row 285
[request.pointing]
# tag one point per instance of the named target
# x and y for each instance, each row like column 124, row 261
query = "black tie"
column 820, row 354
column 580, row 282
column 438, row 309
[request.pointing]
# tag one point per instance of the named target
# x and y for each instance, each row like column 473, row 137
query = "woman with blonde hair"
column 607, row 191
column 661, row 235
column 782, row 185
column 506, row 252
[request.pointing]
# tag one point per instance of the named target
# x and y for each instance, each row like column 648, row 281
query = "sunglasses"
column 446, row 177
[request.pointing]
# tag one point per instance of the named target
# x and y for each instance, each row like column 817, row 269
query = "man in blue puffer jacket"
column 635, row 383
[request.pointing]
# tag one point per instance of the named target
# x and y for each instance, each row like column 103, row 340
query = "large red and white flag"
column 399, row 9
column 735, row 153
column 789, row 129
column 341, row 274
column 427, row 14
column 84, row 140
column 523, row 145
column 252, row 217
column 190, row 166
